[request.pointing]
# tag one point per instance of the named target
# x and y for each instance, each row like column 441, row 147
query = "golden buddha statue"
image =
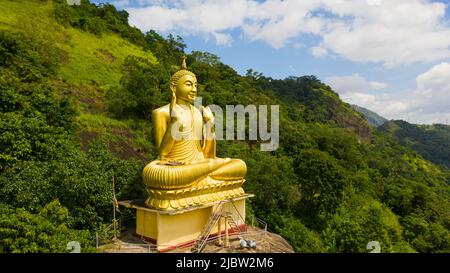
column 187, row 171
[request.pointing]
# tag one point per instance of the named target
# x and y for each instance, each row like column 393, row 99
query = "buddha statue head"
column 183, row 84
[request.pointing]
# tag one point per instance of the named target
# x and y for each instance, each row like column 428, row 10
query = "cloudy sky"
column 390, row 56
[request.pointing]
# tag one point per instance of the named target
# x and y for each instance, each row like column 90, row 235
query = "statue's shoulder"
column 162, row 111
column 161, row 114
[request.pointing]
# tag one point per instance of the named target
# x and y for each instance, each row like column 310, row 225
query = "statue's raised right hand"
column 175, row 111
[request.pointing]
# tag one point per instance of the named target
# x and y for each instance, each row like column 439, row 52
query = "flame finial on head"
column 181, row 72
column 183, row 63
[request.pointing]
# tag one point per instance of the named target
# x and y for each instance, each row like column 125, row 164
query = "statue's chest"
column 191, row 121
column 186, row 119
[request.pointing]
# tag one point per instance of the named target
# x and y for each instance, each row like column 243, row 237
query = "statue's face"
column 186, row 88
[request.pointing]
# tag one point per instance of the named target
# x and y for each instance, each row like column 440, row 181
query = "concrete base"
column 176, row 228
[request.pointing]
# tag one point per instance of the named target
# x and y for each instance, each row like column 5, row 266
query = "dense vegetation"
column 430, row 141
column 333, row 185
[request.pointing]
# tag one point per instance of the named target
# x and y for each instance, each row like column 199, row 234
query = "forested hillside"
column 77, row 86
column 430, row 141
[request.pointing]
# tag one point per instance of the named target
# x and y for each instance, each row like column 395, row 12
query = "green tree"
column 360, row 220
column 47, row 232
column 143, row 87
column 301, row 238
column 81, row 181
column 321, row 183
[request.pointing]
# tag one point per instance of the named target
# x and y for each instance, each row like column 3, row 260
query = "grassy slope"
column 94, row 59
column 88, row 60
column 89, row 66
column 11, row 12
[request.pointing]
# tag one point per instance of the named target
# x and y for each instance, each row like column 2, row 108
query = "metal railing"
column 204, row 235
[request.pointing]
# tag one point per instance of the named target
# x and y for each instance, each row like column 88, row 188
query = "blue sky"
column 391, row 56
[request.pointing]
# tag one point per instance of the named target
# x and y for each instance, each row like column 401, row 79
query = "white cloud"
column 428, row 103
column 277, row 22
column 433, row 90
column 358, row 98
column 298, row 45
column 223, row 39
column 389, row 32
column 353, row 84
column 208, row 18
column 393, row 33
column 377, row 85
column 319, row 51
column 373, row 2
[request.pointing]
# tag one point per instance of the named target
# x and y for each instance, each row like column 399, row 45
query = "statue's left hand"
column 207, row 114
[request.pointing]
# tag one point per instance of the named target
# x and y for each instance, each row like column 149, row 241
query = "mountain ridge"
column 373, row 118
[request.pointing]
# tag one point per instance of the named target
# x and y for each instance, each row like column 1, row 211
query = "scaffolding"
column 220, row 213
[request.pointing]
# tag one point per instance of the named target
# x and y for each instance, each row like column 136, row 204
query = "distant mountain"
column 431, row 141
column 373, row 118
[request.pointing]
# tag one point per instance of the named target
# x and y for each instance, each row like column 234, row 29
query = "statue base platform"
column 176, row 228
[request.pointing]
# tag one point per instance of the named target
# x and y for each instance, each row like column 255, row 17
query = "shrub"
column 47, row 232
